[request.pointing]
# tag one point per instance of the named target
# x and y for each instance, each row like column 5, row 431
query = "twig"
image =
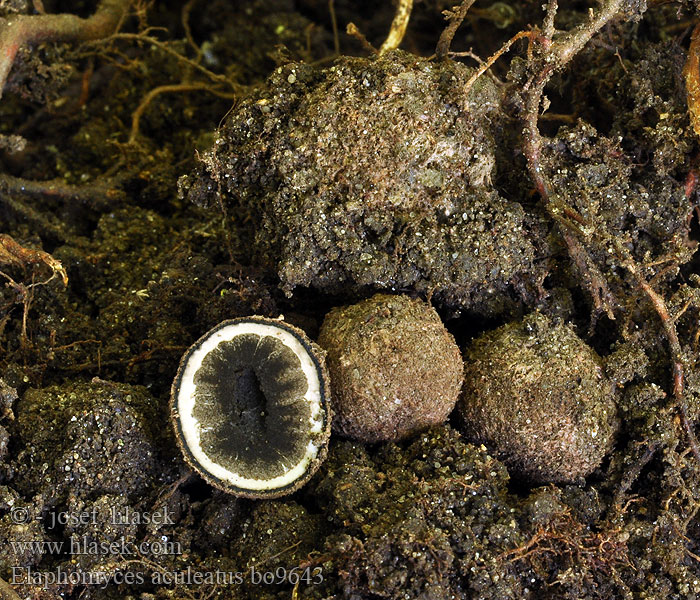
column 398, row 26
column 167, row 89
column 23, row 30
column 448, row 34
column 691, row 72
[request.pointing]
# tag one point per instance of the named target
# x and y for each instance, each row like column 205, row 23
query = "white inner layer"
column 191, row 426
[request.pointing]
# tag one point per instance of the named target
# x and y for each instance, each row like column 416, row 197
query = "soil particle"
column 627, row 362
column 220, row 518
column 414, row 514
column 4, row 441
column 89, row 439
column 23, row 553
column 8, row 396
column 648, row 208
column 264, row 543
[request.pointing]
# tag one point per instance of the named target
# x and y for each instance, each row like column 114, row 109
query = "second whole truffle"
column 536, row 394
column 394, row 367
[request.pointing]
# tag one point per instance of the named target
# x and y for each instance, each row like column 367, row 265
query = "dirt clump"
column 372, row 174
column 89, row 439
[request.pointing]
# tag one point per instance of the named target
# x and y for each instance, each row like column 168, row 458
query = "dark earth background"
column 86, row 367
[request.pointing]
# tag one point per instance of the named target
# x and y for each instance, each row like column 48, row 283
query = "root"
column 691, row 73
column 15, row 255
column 19, row 31
column 496, row 55
column 168, row 89
column 564, row 540
column 554, row 56
column 669, row 325
column 577, row 224
column 149, row 39
column 455, row 20
column 398, row 26
column 334, row 25
column 6, row 591
column 185, row 15
column 98, row 194
column 354, row 32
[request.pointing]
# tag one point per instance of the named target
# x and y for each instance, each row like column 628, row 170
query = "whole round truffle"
column 395, row 368
column 536, row 394
column 250, row 407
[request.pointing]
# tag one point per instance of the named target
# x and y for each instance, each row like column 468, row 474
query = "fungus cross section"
column 250, row 404
column 249, row 407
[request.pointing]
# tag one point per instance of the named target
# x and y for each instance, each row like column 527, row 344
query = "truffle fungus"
column 395, row 368
column 537, row 395
column 250, row 407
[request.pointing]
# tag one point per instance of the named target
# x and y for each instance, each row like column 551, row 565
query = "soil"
column 134, row 221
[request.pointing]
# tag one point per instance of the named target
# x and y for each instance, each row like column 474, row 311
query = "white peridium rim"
column 190, row 426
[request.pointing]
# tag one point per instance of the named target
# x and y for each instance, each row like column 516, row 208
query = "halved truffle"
column 250, row 407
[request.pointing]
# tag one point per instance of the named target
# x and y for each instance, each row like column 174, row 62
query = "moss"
column 394, row 368
column 537, row 395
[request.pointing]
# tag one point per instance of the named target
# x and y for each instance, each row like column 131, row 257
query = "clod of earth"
column 250, row 407
column 72, row 434
column 372, row 173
